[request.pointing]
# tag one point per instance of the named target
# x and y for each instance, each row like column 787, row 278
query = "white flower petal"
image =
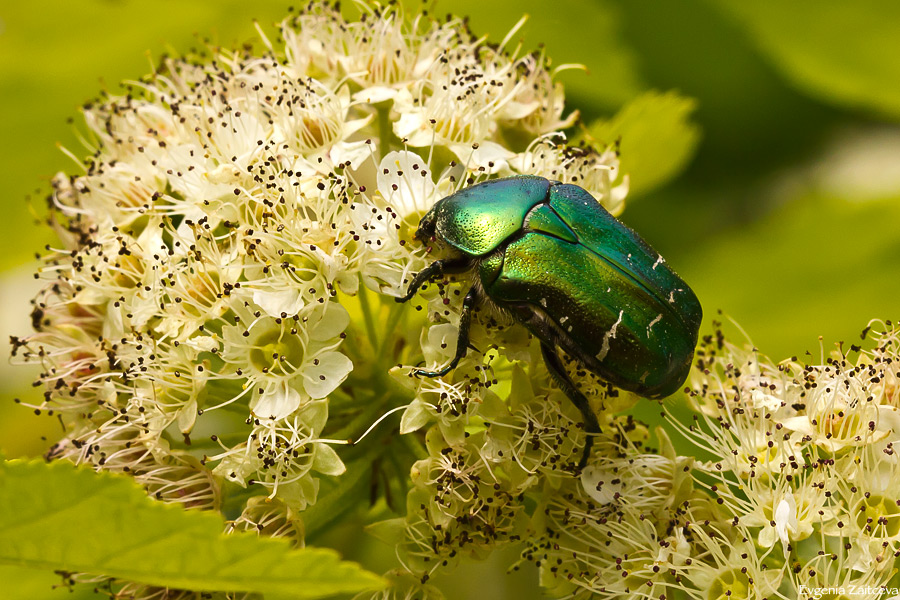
column 327, row 461
column 202, row 343
column 414, row 417
column 514, row 110
column 236, row 466
column 766, row 537
column 114, row 326
column 321, row 379
column 375, row 94
column 187, row 416
column 279, row 303
column 299, row 494
column 492, row 156
column 277, row 402
column 785, row 518
column 601, row 484
column 440, row 343
column 408, row 124
column 348, row 283
column 328, row 322
column 351, row 127
column 142, row 308
column 354, row 153
column 405, row 183
column 315, row 415
column 495, row 450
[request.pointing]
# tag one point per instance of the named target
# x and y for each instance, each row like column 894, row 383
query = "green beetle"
column 551, row 256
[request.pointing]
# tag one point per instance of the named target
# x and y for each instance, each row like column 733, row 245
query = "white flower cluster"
column 805, row 458
column 796, row 487
column 220, row 313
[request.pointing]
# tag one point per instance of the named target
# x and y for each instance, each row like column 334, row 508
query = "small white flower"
column 785, row 518
column 406, row 184
column 643, row 482
column 596, row 172
column 286, row 365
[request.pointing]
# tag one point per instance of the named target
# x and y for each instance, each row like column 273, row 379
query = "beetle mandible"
column 549, row 255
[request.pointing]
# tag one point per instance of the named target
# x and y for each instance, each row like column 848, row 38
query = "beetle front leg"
column 462, row 340
column 558, row 371
column 438, row 267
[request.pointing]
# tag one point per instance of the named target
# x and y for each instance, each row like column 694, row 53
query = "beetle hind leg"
column 462, row 340
column 558, row 371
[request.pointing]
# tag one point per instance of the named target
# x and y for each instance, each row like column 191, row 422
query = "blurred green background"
column 787, row 217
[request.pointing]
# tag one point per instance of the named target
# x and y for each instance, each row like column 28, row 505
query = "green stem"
column 367, row 315
column 359, row 423
column 385, row 129
column 394, row 315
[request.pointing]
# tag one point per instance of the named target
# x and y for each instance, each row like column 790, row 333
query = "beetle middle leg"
column 558, row 372
column 462, row 340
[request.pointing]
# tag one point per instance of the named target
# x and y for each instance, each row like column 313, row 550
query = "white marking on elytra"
column 659, row 260
column 653, row 322
column 564, row 319
column 544, row 302
column 611, row 334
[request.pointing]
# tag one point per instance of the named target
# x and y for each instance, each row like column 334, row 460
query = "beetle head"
column 426, row 231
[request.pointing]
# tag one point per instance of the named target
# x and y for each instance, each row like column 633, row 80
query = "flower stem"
column 385, row 130
column 396, row 311
column 368, row 317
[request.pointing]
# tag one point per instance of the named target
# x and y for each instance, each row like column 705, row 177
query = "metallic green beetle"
column 551, row 256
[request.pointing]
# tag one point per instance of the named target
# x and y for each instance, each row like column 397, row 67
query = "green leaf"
column 338, row 496
column 657, row 138
column 390, row 531
column 845, row 53
column 57, row 516
column 22, row 583
column 816, row 265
